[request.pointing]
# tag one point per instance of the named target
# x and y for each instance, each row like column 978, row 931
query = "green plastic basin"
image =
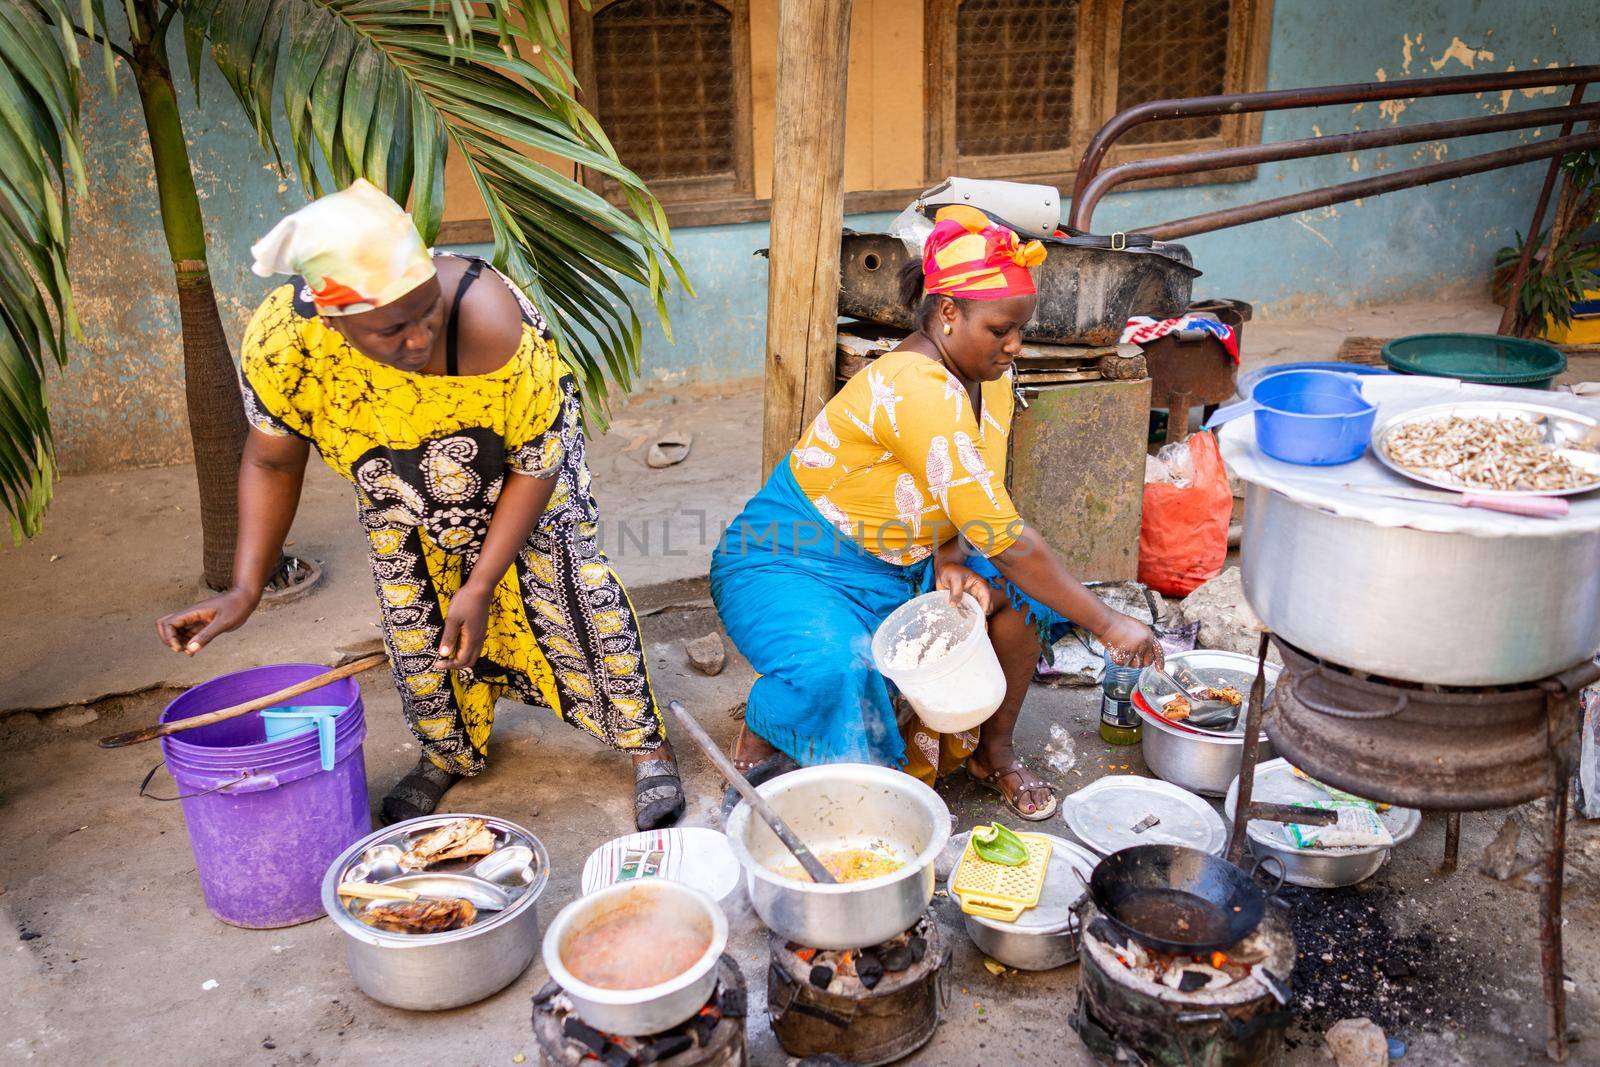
column 1485, row 358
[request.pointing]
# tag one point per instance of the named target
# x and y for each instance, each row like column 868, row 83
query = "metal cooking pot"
column 1046, row 935
column 834, row 807
column 650, row 1009
column 1419, row 606
column 1200, row 762
column 430, row 972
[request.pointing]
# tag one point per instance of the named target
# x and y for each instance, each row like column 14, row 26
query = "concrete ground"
column 114, row 957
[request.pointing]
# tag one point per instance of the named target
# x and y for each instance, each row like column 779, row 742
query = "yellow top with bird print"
column 899, row 460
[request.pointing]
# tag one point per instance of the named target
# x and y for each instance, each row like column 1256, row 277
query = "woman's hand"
column 190, row 630
column 955, row 579
column 464, row 628
column 1130, row 642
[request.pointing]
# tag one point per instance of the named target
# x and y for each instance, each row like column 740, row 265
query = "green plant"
column 1565, row 266
column 381, row 89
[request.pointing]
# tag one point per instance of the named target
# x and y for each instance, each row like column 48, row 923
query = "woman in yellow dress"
column 898, row 487
column 429, row 382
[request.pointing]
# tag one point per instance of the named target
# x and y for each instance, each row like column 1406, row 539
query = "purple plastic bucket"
column 265, row 820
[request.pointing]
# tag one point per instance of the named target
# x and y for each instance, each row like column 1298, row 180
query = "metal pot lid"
column 1061, row 893
column 1123, row 810
column 1276, row 783
column 1215, row 668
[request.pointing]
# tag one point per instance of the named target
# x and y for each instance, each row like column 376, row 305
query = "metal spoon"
column 1203, row 710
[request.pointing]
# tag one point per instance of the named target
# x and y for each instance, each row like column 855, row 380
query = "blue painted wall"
column 120, row 403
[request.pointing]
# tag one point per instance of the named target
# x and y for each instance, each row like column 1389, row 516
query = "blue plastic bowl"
column 1314, row 418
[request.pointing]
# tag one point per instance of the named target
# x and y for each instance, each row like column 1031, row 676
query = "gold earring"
column 947, row 328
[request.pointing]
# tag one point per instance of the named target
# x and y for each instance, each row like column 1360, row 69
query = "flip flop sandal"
column 992, row 784
column 418, row 793
column 657, row 794
column 670, row 449
column 764, row 771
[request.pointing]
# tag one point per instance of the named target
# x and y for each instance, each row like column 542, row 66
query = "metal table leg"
column 1247, row 762
column 1452, row 843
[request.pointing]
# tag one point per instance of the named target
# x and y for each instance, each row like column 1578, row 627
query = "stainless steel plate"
column 1217, row 669
column 378, row 858
column 1566, row 425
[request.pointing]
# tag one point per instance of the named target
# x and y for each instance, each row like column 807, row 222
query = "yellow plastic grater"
column 995, row 891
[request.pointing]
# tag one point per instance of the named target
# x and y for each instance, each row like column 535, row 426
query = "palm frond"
column 384, row 89
column 39, row 155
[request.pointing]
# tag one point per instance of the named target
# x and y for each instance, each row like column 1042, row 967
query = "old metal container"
column 1046, row 935
column 835, row 807
column 431, row 972
column 1453, row 609
column 1085, row 294
column 1314, row 868
column 650, row 1009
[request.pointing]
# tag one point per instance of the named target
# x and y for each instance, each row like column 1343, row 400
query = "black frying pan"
column 1177, row 899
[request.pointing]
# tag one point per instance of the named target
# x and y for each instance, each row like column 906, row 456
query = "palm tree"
column 381, row 89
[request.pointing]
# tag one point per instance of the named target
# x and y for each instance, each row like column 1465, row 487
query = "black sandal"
column 418, row 793
column 762, row 771
column 657, row 793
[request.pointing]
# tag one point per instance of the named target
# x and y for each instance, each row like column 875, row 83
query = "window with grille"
column 669, row 82
column 1016, row 88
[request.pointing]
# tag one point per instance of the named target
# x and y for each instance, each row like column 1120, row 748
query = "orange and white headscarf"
column 969, row 257
column 357, row 250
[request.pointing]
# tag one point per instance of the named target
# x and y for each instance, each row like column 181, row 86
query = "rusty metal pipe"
column 1248, row 755
column 1329, row 144
column 1387, row 183
column 1314, row 96
column 1530, row 242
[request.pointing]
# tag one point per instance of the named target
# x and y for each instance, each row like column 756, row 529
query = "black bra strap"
column 450, row 329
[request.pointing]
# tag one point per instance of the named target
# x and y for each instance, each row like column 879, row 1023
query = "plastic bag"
column 1172, row 465
column 1183, row 538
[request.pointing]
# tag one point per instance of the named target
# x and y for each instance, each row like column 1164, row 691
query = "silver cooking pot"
column 1440, row 608
column 1201, row 761
column 430, row 972
column 831, row 808
column 1046, row 935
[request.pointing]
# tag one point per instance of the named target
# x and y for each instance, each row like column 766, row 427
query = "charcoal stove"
column 1137, row 1006
column 713, row 1038
column 866, row 1006
column 1440, row 748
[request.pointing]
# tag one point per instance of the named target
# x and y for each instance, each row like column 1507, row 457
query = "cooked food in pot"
column 420, row 916
column 1505, row 454
column 459, row 839
column 633, row 948
column 847, row 865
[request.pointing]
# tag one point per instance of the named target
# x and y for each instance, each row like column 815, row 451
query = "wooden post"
column 807, row 215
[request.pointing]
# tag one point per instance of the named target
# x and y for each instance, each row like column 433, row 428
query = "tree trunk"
column 217, row 425
column 807, row 217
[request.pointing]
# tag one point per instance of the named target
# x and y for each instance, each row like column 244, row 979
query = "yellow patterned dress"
column 428, row 455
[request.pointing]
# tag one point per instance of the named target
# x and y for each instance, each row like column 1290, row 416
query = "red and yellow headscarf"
column 971, row 258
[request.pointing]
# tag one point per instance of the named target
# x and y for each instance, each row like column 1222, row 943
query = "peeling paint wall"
column 121, row 402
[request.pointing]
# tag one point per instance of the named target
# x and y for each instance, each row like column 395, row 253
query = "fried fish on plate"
column 1227, row 693
column 455, row 840
column 420, row 916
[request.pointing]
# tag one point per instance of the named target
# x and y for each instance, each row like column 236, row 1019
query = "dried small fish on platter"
column 421, row 916
column 1508, row 447
column 460, row 839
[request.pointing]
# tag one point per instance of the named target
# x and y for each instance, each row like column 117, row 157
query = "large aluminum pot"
column 431, row 972
column 1445, row 609
column 649, row 1009
column 834, row 807
column 1046, row 935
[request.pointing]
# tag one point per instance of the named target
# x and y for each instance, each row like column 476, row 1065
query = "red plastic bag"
column 1183, row 538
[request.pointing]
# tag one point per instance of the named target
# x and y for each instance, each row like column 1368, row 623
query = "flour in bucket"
column 940, row 659
column 926, row 639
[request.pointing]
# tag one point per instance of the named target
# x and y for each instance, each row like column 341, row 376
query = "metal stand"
column 1561, row 706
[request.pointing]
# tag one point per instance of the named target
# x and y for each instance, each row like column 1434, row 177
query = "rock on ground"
column 1358, row 1043
column 1226, row 621
column 708, row 654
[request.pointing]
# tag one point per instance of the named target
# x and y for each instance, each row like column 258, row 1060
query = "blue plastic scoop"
column 288, row 721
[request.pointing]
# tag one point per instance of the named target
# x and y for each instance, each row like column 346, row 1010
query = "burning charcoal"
column 869, row 968
column 671, row 1045
column 897, row 958
column 918, row 946
column 821, row 976
column 577, row 1030
column 1393, row 969
column 1189, row 981
column 548, row 993
column 617, row 1056
column 702, row 1027
column 731, row 1003
column 1102, row 929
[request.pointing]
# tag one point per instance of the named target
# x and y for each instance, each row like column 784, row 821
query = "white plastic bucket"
column 959, row 689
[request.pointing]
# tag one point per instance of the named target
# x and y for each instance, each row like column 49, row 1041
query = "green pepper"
column 997, row 844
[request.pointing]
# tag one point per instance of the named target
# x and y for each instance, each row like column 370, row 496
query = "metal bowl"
column 1315, row 868
column 1565, row 426
column 1045, row 936
column 1201, row 761
column 834, row 807
column 650, row 1009
column 430, row 972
